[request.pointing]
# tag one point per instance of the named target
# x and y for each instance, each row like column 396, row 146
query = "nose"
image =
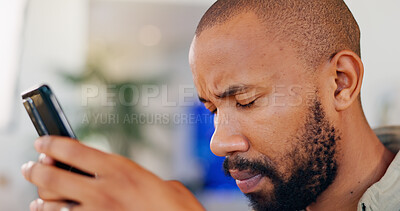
column 226, row 141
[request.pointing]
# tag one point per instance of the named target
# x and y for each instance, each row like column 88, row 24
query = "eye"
column 248, row 105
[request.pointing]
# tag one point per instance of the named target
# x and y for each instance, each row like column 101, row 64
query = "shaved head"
column 282, row 78
column 317, row 29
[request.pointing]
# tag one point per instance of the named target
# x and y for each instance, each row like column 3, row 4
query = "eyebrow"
column 230, row 91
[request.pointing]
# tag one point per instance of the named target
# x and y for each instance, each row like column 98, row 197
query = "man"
column 283, row 78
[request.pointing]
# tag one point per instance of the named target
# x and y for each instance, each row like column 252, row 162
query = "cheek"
column 272, row 131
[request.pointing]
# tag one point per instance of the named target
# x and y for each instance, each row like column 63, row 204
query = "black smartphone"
column 48, row 117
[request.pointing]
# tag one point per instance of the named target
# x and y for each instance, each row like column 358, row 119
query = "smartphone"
column 48, row 118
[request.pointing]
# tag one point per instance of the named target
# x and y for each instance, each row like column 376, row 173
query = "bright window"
column 11, row 19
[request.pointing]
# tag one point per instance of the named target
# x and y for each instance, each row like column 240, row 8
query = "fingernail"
column 26, row 167
column 44, row 159
column 39, row 204
column 23, row 168
column 40, row 142
column 41, row 157
column 35, row 205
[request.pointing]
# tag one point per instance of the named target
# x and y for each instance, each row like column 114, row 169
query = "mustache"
column 263, row 166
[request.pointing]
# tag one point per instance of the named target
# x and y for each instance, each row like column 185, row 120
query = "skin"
column 222, row 57
column 120, row 184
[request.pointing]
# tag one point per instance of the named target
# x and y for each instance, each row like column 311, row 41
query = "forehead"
column 240, row 51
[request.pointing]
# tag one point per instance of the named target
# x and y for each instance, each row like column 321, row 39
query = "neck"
column 362, row 161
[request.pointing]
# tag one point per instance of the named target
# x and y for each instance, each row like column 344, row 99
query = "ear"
column 349, row 75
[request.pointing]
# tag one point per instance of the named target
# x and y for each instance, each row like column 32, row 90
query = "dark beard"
column 314, row 161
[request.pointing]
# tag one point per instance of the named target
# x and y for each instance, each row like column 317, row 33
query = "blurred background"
column 119, row 69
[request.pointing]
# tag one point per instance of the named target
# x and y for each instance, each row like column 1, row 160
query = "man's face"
column 270, row 124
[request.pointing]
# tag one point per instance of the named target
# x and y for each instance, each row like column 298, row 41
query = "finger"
column 182, row 190
column 178, row 186
column 48, row 195
column 71, row 152
column 66, row 184
column 43, row 205
column 44, row 159
column 175, row 184
column 95, row 162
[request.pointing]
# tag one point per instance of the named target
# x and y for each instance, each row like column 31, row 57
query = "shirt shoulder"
column 385, row 194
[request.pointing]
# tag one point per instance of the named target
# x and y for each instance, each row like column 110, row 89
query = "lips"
column 246, row 180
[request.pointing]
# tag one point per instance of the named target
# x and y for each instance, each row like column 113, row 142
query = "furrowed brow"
column 232, row 90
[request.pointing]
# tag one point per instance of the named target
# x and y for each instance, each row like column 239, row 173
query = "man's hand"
column 120, row 184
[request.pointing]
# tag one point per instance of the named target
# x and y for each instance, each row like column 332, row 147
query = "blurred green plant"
column 119, row 134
